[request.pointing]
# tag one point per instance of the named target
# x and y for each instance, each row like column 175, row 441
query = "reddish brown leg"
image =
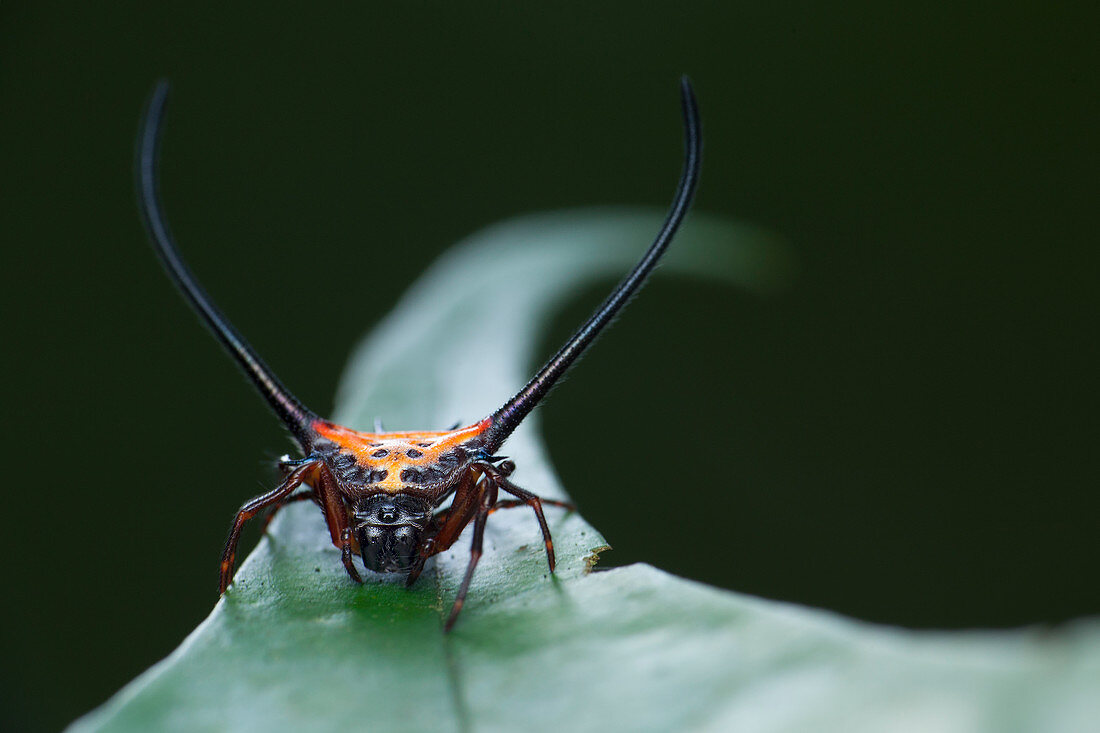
column 448, row 524
column 290, row 500
column 513, row 503
column 229, row 556
column 337, row 518
column 429, row 547
column 347, row 556
column 488, row 498
column 533, row 501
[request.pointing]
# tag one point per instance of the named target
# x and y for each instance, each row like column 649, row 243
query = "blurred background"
column 904, row 434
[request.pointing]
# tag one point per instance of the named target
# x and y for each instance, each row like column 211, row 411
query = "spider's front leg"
column 473, row 502
column 499, row 476
column 487, row 497
column 302, row 496
column 286, row 466
column 293, row 480
column 447, row 524
column 336, row 516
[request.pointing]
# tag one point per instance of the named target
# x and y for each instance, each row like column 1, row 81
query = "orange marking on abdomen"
column 359, row 442
column 394, row 452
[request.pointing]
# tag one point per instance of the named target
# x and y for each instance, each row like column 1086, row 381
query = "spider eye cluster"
column 388, row 528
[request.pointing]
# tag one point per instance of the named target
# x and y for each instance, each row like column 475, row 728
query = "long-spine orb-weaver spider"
column 380, row 492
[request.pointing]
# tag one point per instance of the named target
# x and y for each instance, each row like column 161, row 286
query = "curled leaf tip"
column 593, row 557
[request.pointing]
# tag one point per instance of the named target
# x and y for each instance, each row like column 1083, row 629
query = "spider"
column 381, row 492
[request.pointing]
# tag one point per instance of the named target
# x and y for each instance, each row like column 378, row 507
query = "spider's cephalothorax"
column 382, row 493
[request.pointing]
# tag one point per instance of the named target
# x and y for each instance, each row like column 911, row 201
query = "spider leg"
column 532, row 500
column 507, row 504
column 286, row 464
column 289, row 500
column 250, row 509
column 336, row 516
column 346, row 555
column 513, row 503
column 418, row 566
column 488, row 498
column 447, row 525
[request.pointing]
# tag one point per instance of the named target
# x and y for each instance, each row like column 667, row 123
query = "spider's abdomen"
column 414, row 462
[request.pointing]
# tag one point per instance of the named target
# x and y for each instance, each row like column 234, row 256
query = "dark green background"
column 905, row 434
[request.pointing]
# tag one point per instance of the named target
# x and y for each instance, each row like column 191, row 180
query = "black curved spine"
column 509, row 416
column 294, row 415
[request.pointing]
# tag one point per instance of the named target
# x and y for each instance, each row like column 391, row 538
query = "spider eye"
column 387, row 515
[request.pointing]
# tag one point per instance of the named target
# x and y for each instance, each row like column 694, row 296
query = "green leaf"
column 295, row 645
